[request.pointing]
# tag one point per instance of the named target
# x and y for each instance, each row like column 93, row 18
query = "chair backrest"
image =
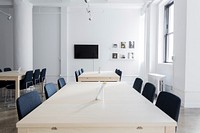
column 82, row 71
column 119, row 72
column 76, row 76
column 43, row 74
column 27, row 102
column 169, row 103
column 116, row 71
column 27, row 81
column 36, row 76
column 49, row 90
column 138, row 84
column 149, row 91
column 7, row 69
column 79, row 72
column 2, row 83
column 61, row 83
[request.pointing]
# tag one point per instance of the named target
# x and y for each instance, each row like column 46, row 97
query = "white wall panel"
column 108, row 26
column 46, row 36
column 6, row 39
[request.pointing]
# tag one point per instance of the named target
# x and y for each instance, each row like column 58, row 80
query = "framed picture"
column 131, row 55
column 114, row 45
column 123, row 44
column 131, row 44
column 114, row 55
column 122, row 56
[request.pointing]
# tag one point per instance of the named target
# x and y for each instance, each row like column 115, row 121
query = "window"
column 169, row 32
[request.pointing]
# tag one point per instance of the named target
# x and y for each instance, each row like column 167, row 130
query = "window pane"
column 170, row 46
column 171, row 19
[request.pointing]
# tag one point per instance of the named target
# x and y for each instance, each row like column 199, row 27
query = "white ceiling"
column 109, row 3
column 135, row 3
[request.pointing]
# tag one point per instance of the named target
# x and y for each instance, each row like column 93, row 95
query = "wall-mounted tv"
column 90, row 51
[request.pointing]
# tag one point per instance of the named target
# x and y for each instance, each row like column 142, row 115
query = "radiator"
column 158, row 80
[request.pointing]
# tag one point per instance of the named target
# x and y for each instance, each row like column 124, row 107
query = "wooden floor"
column 189, row 120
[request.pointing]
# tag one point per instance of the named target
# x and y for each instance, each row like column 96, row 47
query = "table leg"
column 17, row 89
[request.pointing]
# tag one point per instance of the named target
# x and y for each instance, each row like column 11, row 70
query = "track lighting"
column 8, row 15
column 86, row 1
column 88, row 10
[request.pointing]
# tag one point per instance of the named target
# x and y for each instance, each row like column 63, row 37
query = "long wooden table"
column 118, row 109
column 13, row 76
column 103, row 76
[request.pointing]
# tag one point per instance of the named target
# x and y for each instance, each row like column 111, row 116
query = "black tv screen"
column 86, row 51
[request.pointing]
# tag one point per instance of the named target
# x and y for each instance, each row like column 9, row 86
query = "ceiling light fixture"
column 88, row 9
column 8, row 15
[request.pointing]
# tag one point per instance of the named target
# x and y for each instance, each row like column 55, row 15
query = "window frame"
column 166, row 33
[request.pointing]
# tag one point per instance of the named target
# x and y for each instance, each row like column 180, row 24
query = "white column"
column 23, row 35
column 63, row 47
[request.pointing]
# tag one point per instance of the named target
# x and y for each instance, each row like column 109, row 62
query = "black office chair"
column 43, row 75
column 26, row 103
column 42, row 78
column 76, row 76
column 82, row 70
column 27, row 81
column 61, row 83
column 49, row 90
column 8, row 83
column 138, row 84
column 149, row 91
column 6, row 69
column 36, row 77
column 119, row 72
column 79, row 72
column 169, row 103
column 2, row 84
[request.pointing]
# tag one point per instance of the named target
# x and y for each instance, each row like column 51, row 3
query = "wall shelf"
column 123, row 51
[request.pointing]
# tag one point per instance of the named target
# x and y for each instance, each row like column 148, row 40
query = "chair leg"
column 9, row 98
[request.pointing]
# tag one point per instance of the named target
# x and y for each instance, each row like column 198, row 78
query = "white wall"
column 192, row 71
column 108, row 26
column 180, row 18
column 46, row 40
column 6, row 38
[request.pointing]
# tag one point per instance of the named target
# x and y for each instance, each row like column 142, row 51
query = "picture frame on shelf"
column 130, row 55
column 114, row 55
column 131, row 44
column 122, row 56
column 115, row 45
column 123, row 44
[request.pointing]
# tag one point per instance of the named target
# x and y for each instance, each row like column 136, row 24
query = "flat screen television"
column 86, row 51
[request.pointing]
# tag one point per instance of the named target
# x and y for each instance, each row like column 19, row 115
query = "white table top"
column 75, row 106
column 11, row 74
column 99, row 76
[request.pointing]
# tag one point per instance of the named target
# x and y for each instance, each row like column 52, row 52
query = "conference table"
column 13, row 76
column 96, row 107
column 101, row 76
